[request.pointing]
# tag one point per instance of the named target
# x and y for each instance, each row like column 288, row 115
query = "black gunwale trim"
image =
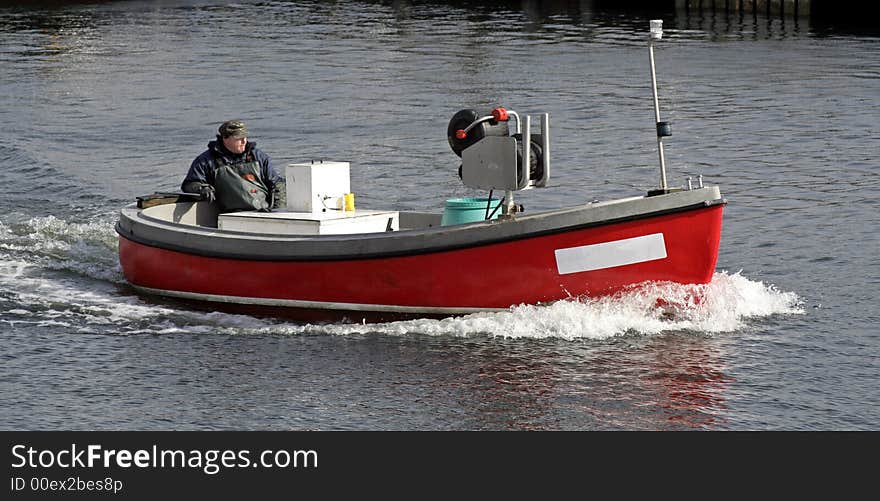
column 432, row 250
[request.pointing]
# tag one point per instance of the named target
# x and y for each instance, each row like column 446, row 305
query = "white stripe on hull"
column 610, row 254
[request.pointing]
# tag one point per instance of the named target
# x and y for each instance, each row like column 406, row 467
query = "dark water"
column 101, row 102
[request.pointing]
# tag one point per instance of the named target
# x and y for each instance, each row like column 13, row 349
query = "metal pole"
column 508, row 208
column 656, row 34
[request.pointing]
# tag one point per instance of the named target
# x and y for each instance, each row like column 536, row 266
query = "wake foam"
column 724, row 305
column 89, row 249
column 32, row 293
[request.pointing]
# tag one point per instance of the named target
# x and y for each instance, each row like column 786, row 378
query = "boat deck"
column 286, row 222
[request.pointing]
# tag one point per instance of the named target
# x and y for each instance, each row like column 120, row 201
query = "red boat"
column 317, row 260
column 424, row 268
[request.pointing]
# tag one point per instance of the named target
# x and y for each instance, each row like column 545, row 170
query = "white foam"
column 725, row 305
column 88, row 248
column 97, row 304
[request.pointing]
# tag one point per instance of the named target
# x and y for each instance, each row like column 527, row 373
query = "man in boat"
column 235, row 173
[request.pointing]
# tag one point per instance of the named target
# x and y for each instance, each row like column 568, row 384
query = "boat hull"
column 540, row 267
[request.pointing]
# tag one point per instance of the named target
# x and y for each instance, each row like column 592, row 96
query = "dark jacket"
column 204, row 169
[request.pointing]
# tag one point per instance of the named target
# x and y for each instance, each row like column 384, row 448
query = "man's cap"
column 233, row 128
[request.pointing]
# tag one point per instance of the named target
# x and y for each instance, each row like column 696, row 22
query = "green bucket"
column 468, row 210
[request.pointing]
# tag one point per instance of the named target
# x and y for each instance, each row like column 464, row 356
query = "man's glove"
column 207, row 193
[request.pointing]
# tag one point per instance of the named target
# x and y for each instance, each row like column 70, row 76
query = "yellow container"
column 349, row 201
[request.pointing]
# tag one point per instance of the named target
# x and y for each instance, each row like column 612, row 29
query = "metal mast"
column 662, row 127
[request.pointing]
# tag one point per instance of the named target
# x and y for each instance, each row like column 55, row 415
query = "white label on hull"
column 610, row 254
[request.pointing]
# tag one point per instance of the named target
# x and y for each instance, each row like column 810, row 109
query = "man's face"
column 235, row 144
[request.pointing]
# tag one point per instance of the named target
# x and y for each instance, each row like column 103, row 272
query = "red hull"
column 493, row 276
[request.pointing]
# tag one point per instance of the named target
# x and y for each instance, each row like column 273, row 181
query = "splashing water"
column 88, row 249
column 724, row 305
column 64, row 273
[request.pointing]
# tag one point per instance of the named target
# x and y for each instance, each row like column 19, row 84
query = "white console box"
column 331, row 222
column 314, row 186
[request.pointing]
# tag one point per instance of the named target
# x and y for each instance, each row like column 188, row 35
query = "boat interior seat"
column 189, row 213
column 419, row 220
column 198, row 214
